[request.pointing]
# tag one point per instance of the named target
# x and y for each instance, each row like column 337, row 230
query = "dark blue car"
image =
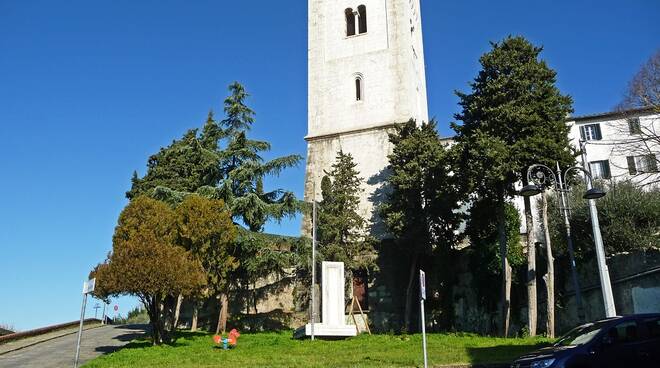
column 629, row 341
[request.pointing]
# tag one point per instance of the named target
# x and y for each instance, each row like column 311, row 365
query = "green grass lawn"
column 280, row 350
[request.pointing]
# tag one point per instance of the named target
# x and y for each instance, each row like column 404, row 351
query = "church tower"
column 366, row 73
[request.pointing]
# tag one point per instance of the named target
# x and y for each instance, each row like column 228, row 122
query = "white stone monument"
column 333, row 320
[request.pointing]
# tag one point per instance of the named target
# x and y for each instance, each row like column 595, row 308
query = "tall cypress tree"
column 512, row 118
column 342, row 232
column 421, row 210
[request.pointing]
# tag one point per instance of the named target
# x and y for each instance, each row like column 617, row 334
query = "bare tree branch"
column 639, row 130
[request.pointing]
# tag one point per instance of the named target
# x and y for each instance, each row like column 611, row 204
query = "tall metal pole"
column 569, row 240
column 426, row 364
column 80, row 329
column 313, row 257
column 422, row 283
column 605, row 284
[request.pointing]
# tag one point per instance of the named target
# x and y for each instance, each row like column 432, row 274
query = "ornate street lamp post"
column 540, row 178
column 603, row 272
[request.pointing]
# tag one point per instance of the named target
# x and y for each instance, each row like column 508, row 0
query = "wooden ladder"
column 350, row 313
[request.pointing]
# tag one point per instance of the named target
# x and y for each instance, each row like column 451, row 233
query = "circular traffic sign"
column 116, row 307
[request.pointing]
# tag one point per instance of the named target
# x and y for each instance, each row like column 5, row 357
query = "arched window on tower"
column 358, row 88
column 362, row 19
column 350, row 22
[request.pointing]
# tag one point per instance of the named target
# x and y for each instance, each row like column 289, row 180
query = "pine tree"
column 183, row 166
column 221, row 162
column 513, row 118
column 244, row 169
column 342, row 232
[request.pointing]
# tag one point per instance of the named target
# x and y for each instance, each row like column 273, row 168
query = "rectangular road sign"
column 422, row 284
column 88, row 286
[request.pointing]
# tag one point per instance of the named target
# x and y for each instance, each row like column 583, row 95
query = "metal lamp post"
column 603, row 272
column 541, row 177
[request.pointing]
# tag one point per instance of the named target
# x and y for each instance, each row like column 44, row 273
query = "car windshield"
column 581, row 335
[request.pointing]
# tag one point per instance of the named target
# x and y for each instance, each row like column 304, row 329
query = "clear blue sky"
column 89, row 89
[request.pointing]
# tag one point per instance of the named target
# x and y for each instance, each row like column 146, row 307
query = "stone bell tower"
column 366, row 73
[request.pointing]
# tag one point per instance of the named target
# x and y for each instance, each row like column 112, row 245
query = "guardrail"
column 44, row 330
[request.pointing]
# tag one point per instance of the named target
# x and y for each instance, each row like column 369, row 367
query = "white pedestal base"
column 322, row 330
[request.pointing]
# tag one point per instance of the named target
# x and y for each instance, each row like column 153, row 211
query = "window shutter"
column 632, row 169
column 599, row 136
column 651, row 163
column 606, row 169
column 633, row 126
column 582, row 135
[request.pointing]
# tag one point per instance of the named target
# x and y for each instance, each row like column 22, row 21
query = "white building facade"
column 366, row 73
column 622, row 145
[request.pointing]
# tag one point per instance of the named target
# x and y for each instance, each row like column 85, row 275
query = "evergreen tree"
column 513, row 118
column 343, row 234
column 482, row 231
column 421, row 210
column 221, row 162
column 239, row 116
column 146, row 262
column 183, row 166
column 205, row 229
column 244, row 169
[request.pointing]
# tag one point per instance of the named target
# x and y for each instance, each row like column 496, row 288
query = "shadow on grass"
column 188, row 335
column 500, row 354
column 141, row 339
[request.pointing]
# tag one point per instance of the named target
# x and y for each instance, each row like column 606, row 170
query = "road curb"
column 48, row 339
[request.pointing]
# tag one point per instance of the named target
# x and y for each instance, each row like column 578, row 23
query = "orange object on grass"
column 233, row 337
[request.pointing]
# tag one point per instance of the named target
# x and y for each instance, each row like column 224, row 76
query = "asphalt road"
column 61, row 351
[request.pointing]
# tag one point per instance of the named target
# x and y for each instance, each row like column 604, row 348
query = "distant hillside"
column 5, row 331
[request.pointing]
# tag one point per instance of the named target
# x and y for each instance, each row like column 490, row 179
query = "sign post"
column 88, row 287
column 103, row 314
column 422, row 297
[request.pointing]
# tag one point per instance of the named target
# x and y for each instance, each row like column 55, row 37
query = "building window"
column 358, row 89
column 350, row 22
column 590, row 132
column 634, row 127
column 600, row 169
column 642, row 164
column 362, row 19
